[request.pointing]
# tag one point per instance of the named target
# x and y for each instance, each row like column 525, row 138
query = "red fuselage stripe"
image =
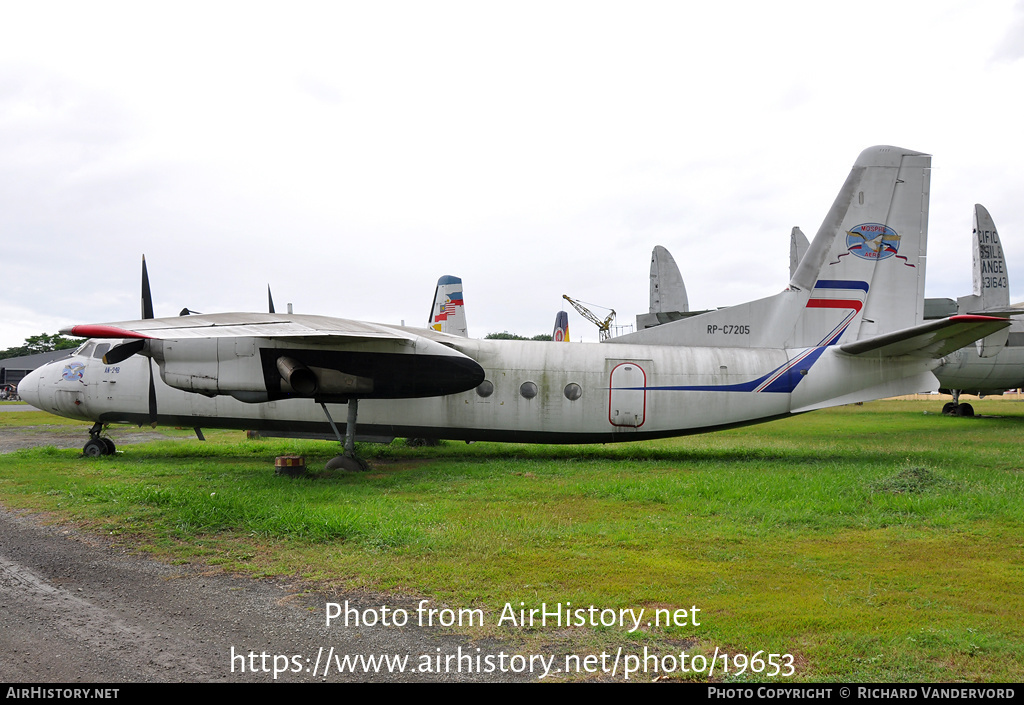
column 835, row 303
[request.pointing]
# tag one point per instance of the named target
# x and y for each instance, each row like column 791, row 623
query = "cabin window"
column 485, row 388
column 528, row 390
column 573, row 391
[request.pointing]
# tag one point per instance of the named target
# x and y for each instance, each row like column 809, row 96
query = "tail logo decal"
column 448, row 308
column 872, row 241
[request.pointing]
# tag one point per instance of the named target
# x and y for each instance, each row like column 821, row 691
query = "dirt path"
column 75, row 607
column 18, row 437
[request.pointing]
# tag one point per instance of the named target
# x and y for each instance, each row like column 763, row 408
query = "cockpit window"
column 86, row 349
column 101, row 350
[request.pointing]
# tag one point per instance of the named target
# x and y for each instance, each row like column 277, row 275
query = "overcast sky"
column 350, row 153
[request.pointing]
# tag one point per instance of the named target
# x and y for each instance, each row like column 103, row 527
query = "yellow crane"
column 603, row 327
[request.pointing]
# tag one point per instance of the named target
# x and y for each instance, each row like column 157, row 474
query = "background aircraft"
column 560, row 333
column 448, row 312
column 849, row 328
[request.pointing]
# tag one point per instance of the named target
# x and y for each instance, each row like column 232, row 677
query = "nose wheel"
column 97, row 445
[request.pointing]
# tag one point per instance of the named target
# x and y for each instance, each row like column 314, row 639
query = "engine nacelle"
column 297, row 376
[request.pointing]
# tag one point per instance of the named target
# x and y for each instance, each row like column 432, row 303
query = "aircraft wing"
column 235, row 325
column 933, row 339
column 262, row 357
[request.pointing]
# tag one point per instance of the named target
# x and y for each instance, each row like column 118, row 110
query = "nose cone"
column 28, row 387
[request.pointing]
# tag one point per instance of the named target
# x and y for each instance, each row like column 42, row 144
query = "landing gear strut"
column 97, row 446
column 348, row 459
column 955, row 408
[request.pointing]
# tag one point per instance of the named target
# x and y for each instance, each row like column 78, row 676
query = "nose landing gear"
column 96, row 445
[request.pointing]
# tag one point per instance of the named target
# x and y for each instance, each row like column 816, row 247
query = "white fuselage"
column 967, row 371
column 539, row 392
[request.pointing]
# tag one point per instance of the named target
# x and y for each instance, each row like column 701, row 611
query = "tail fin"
column 862, row 276
column 668, row 293
column 991, row 281
column 561, row 331
column 798, row 245
column 448, row 313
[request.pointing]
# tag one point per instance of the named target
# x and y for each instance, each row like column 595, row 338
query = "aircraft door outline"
column 627, row 395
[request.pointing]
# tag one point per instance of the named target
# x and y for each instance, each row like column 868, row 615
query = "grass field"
column 881, row 542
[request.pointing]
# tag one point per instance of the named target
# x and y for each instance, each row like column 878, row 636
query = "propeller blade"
column 270, row 299
column 147, row 295
column 122, row 352
column 152, row 397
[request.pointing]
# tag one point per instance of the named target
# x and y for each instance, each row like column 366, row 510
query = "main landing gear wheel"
column 94, row 448
column 351, row 463
column 965, row 410
column 955, row 408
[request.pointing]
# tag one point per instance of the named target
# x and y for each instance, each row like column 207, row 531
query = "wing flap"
column 933, row 339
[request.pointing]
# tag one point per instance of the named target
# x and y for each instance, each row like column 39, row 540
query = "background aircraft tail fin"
column 561, row 331
column 991, row 281
column 668, row 293
column 798, row 244
column 448, row 312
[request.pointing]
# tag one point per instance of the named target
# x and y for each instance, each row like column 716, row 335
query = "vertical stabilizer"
column 862, row 275
column 991, row 281
column 668, row 293
column 866, row 265
column 798, row 245
column 561, row 331
column 448, row 313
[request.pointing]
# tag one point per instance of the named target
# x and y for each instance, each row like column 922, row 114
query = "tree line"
column 39, row 344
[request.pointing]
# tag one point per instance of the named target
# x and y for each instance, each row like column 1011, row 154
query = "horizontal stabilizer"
column 933, row 339
column 1000, row 312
